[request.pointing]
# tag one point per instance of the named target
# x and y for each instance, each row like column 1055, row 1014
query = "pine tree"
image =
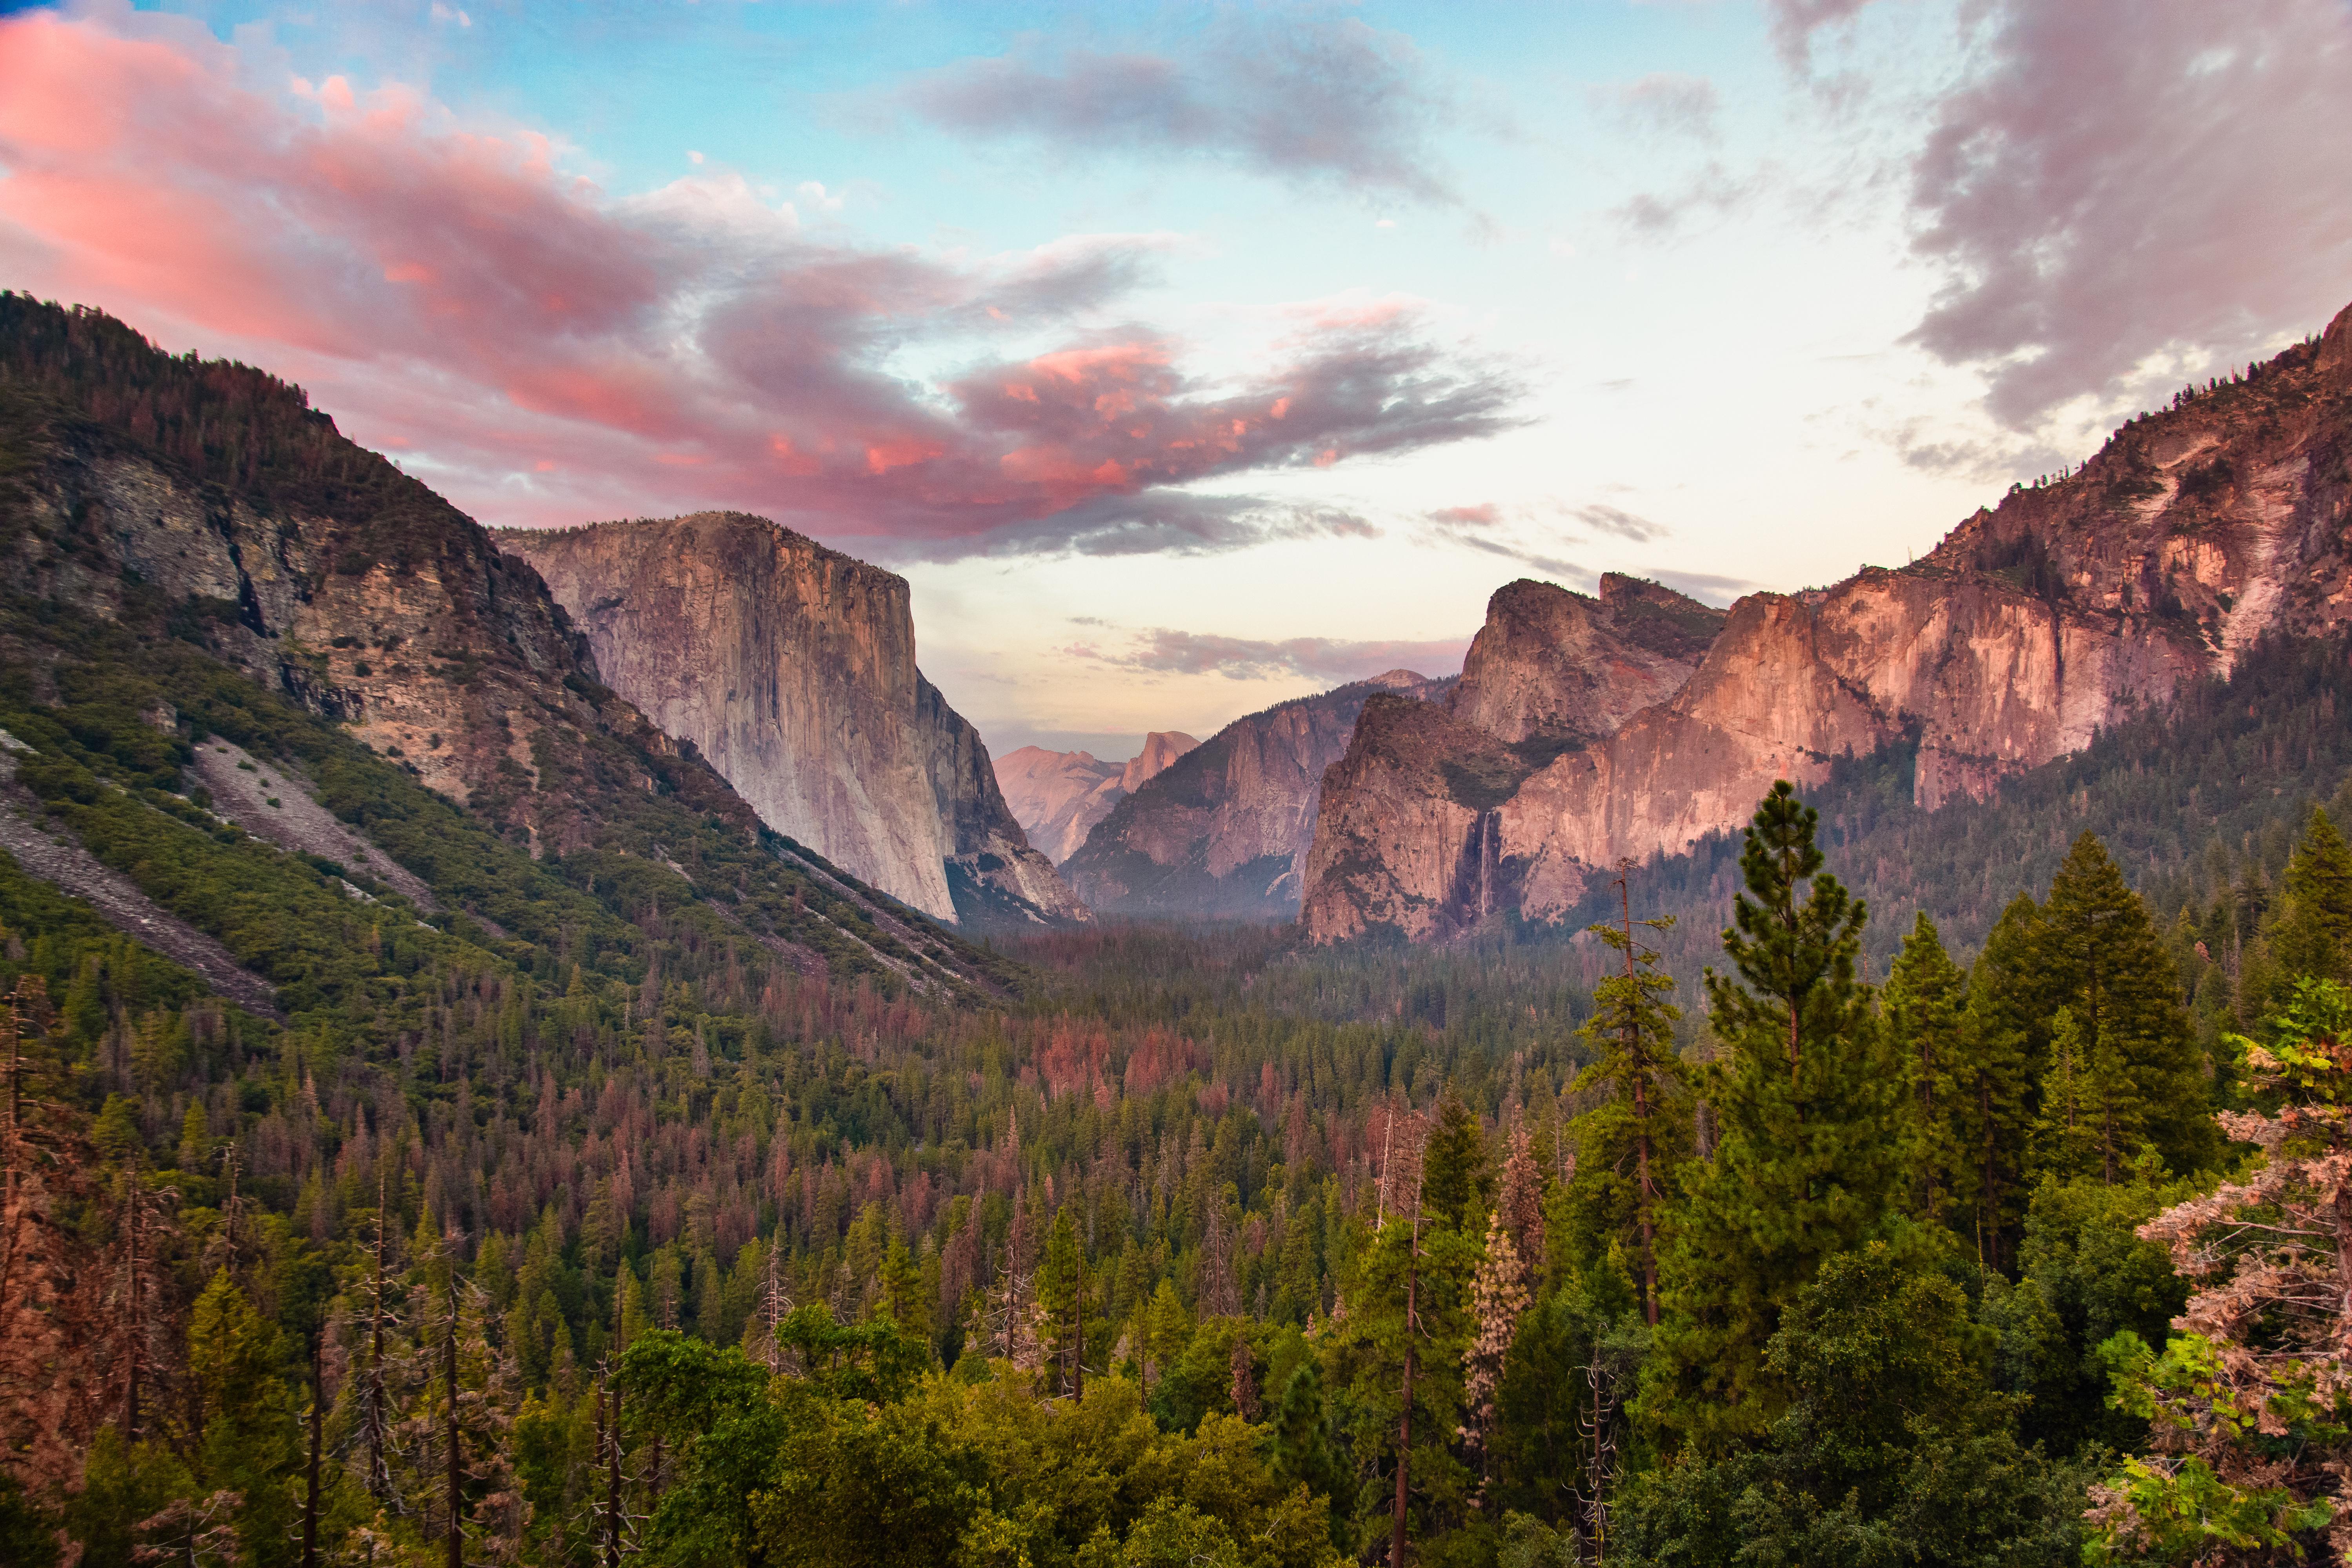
column 1062, row 1306
column 1803, row 1168
column 2099, row 958
column 1302, row 1449
column 1926, row 1010
column 2314, row 933
column 1453, row 1168
column 1999, row 1091
column 1521, row 1203
column 246, row 1436
column 2065, row 1140
column 1628, row 1149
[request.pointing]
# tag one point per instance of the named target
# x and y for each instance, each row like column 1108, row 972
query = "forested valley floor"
column 585, row 1228
column 584, row 1175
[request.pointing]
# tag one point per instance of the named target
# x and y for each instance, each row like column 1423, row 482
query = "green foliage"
column 2085, row 1276
column 2181, row 1512
column 1892, row 1451
column 2314, row 934
column 1632, row 1146
column 1804, row 1168
column 27, row 1529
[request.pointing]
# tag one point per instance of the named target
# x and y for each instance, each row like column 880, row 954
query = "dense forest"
column 1198, row 1248
column 641, row 1194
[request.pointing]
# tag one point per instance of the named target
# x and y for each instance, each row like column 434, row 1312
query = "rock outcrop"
column 1551, row 670
column 207, row 505
column 1058, row 796
column 1411, row 829
column 2191, row 534
column 1224, row 832
column 791, row 668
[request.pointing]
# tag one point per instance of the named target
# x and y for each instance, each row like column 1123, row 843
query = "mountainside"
column 192, row 506
column 1224, row 831
column 1410, row 834
column 791, row 668
column 2191, row 534
column 1058, row 796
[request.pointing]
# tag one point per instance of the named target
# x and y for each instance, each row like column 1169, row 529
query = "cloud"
column 2125, row 190
column 1165, row 652
column 1166, row 522
column 1704, row 585
column 1526, row 532
column 1712, row 191
column 1664, row 104
column 545, row 352
column 1312, row 100
column 1617, row 521
column 1794, row 23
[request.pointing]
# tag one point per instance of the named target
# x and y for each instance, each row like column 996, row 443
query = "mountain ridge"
column 791, row 667
column 2191, row 534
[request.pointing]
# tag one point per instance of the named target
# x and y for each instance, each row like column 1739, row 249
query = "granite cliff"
column 1224, row 831
column 1058, row 796
column 791, row 668
column 205, row 506
column 2193, row 533
column 1409, row 833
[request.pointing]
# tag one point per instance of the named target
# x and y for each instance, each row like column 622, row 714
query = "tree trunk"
column 310, row 1476
column 131, row 1326
column 1404, row 1415
column 379, row 1478
column 1644, row 1194
column 449, row 1387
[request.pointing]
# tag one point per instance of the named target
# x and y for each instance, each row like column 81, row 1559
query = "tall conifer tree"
column 1629, row 1148
column 1804, row 1168
column 2313, row 935
column 1929, row 1037
column 2099, row 958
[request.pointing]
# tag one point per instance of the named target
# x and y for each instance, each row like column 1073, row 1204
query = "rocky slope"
column 2191, row 534
column 1058, row 796
column 791, row 668
column 1224, row 832
column 204, row 505
column 1409, row 833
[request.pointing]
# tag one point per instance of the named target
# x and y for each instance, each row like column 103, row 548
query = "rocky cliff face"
column 1410, row 830
column 323, row 572
column 791, row 668
column 1551, row 670
column 1225, row 831
column 206, row 508
column 2191, row 534
column 1058, row 796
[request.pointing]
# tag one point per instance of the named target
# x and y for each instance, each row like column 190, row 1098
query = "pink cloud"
column 2122, row 179
column 1165, row 650
column 558, row 354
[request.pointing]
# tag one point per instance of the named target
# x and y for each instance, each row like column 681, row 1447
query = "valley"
column 516, row 1032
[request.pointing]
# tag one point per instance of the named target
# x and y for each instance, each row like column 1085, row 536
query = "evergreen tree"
column 1804, row 1168
column 1302, row 1447
column 1628, row 1149
column 2097, row 956
column 1498, row 1296
column 2314, row 933
column 2065, row 1139
column 2005, row 1010
column 1062, row 1307
column 1925, row 1011
column 245, row 1434
column 1455, row 1183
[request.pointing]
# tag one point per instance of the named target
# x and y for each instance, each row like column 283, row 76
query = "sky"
column 1187, row 358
